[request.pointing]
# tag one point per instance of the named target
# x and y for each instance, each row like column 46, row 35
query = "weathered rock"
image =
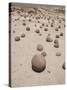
column 57, row 36
column 39, row 47
column 24, row 24
column 56, row 45
column 45, row 29
column 17, row 38
column 49, row 39
column 58, row 54
column 38, row 63
column 61, row 34
column 37, row 31
column 56, row 41
column 27, row 28
column 63, row 66
column 23, row 35
column 44, row 53
column 56, row 29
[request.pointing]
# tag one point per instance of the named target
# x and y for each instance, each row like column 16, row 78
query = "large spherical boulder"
column 38, row 63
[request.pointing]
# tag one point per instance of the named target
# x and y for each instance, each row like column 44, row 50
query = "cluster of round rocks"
column 38, row 60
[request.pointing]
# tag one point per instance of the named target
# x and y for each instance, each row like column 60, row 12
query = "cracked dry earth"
column 37, row 30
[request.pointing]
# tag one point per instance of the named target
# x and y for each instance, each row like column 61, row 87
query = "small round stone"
column 17, row 38
column 58, row 54
column 37, row 31
column 51, row 25
column 24, row 24
column 40, row 34
column 63, row 66
column 27, row 28
column 29, row 20
column 57, row 36
column 39, row 47
column 49, row 39
column 46, row 25
column 59, row 26
column 45, row 29
column 23, row 35
column 38, row 63
column 56, row 41
column 56, row 29
column 61, row 34
column 56, row 45
column 42, row 24
column 44, row 53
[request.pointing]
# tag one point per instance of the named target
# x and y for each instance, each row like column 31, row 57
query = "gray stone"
column 39, row 47
column 38, row 63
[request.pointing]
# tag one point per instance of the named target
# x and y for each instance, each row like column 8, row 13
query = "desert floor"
column 24, row 45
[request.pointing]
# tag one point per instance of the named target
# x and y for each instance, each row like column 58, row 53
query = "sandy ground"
column 23, row 50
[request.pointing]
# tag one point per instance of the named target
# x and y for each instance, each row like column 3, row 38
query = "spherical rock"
column 55, row 41
column 38, row 63
column 44, row 53
column 56, row 45
column 45, row 29
column 57, row 36
column 27, row 28
column 39, row 47
column 61, row 34
column 17, row 38
column 37, row 31
column 22, row 35
column 58, row 54
column 49, row 39
column 63, row 66
column 24, row 24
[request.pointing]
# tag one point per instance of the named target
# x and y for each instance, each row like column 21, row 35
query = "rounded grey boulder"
column 38, row 63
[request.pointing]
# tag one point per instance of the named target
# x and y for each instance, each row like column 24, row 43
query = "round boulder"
column 38, row 63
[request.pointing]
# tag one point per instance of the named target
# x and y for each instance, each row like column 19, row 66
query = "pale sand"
column 23, row 50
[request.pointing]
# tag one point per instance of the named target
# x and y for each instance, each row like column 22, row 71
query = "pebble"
column 49, row 39
column 23, row 35
column 44, row 53
column 17, row 38
column 39, row 47
column 58, row 54
column 27, row 28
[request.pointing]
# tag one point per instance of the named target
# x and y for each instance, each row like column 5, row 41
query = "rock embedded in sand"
column 56, row 29
column 40, row 34
column 49, row 39
column 61, row 34
column 56, row 41
column 42, row 24
column 58, row 54
column 22, row 35
column 38, row 63
column 17, row 38
column 27, row 28
column 45, row 29
column 57, row 36
column 39, row 47
column 52, row 25
column 44, row 53
column 63, row 66
column 59, row 26
column 24, row 24
column 37, row 31
column 56, row 45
